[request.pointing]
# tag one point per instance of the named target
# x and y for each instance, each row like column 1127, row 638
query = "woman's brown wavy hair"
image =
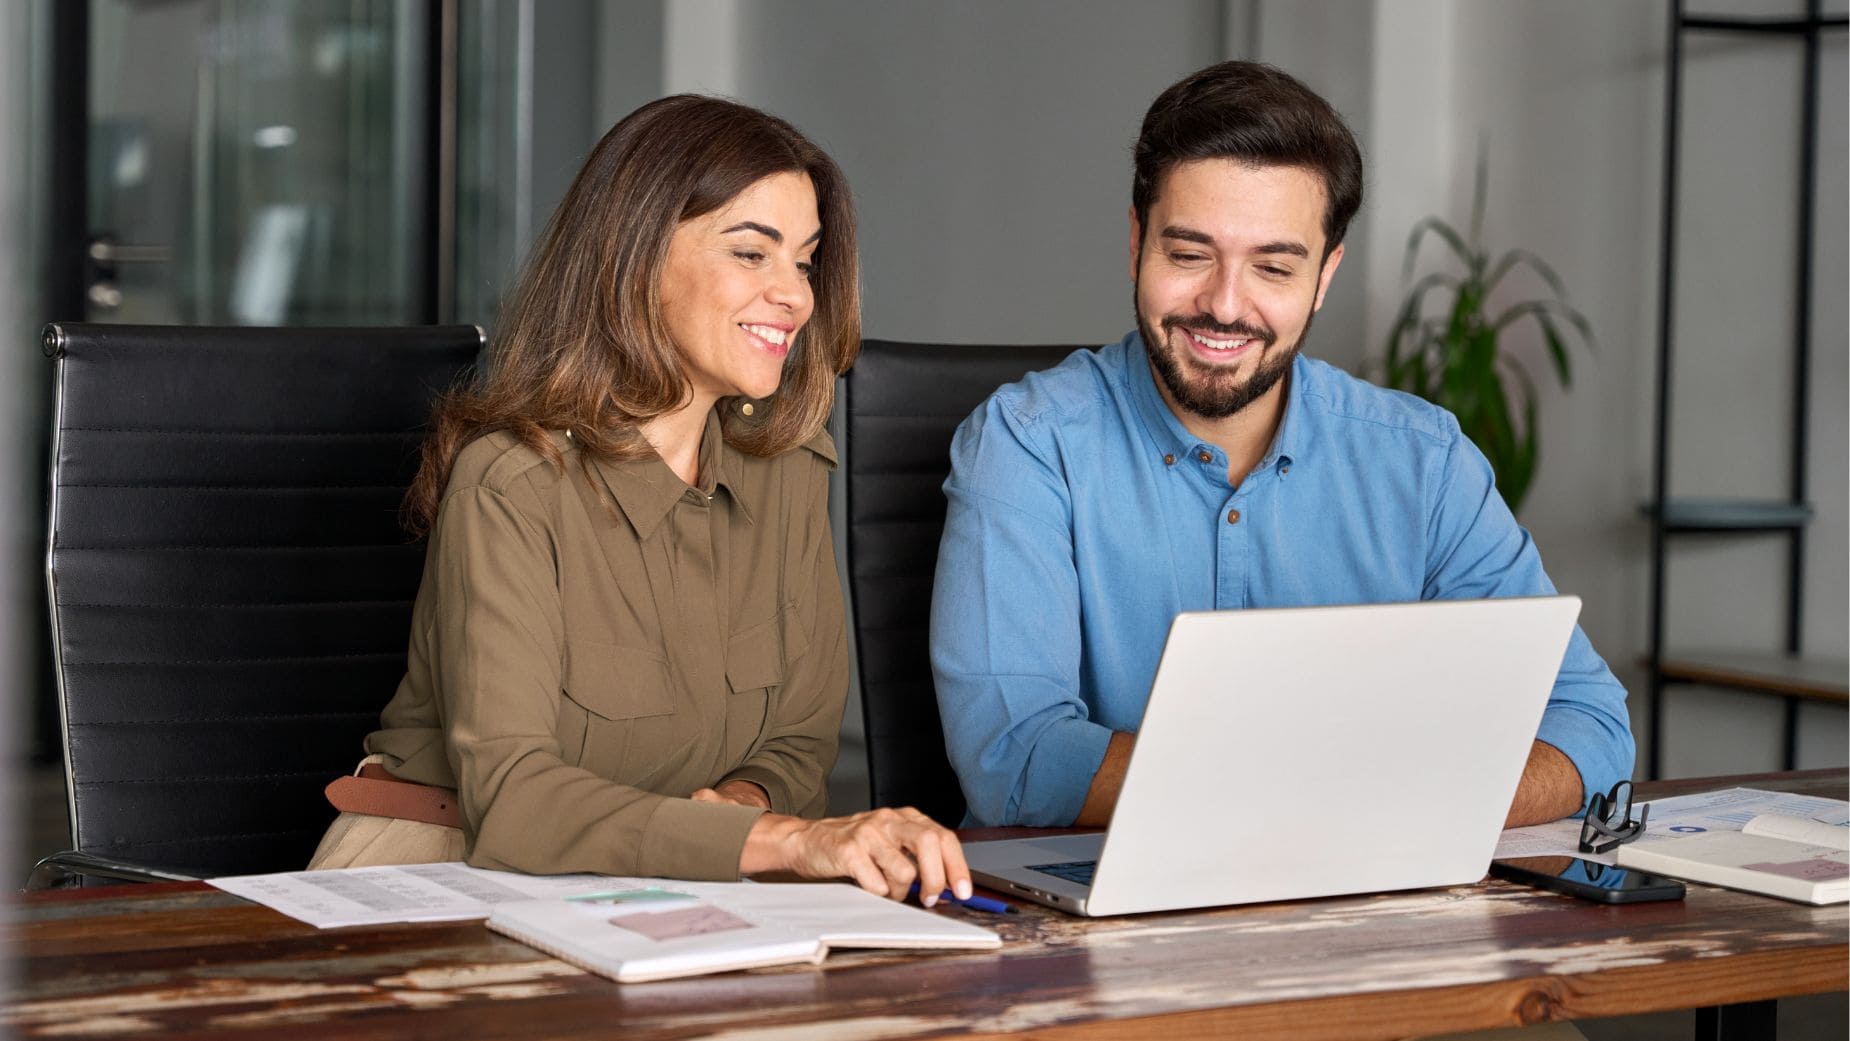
column 582, row 346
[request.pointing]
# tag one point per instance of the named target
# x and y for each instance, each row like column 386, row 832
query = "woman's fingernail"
column 964, row 890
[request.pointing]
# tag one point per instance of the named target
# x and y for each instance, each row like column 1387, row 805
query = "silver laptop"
column 1304, row 752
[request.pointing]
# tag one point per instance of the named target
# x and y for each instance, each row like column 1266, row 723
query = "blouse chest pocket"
column 617, row 682
column 608, row 688
column 758, row 656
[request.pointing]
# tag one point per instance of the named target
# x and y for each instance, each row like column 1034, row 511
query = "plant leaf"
column 1518, row 469
column 1528, row 458
column 1412, row 336
column 1415, row 304
column 1448, row 234
column 1525, row 385
column 1456, row 358
column 1557, row 307
column 1508, row 262
column 1516, row 312
column 1556, row 351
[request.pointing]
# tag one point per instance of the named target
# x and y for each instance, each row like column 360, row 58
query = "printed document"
column 411, row 893
column 1727, row 810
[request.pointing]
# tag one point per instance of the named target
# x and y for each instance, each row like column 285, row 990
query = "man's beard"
column 1214, row 395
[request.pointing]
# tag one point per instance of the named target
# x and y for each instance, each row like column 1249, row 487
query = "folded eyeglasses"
column 1609, row 822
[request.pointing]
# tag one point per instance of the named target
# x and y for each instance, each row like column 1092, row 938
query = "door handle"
column 105, row 295
column 108, row 251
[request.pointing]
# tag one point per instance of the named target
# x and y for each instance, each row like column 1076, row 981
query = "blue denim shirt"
column 1083, row 517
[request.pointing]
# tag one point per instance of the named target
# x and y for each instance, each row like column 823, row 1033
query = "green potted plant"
column 1447, row 342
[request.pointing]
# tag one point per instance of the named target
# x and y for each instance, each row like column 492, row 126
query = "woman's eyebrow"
column 768, row 232
column 763, row 229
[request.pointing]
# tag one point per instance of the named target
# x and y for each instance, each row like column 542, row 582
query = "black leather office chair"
column 900, row 405
column 230, row 586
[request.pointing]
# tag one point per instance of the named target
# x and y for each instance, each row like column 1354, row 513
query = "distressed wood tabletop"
column 184, row 960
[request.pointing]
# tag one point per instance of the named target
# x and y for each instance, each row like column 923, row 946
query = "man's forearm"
column 1550, row 788
column 1102, row 796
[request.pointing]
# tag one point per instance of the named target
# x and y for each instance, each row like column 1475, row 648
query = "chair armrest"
column 61, row 867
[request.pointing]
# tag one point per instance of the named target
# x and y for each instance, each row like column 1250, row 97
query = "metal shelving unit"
column 1790, row 674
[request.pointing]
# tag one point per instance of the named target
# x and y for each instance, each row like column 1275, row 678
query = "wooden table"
column 185, row 960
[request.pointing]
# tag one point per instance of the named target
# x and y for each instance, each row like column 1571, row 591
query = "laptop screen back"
column 1303, row 752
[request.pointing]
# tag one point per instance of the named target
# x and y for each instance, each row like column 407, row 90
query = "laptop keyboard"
column 1079, row 871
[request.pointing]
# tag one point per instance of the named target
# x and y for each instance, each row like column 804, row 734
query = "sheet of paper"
column 1554, row 839
column 1726, row 810
column 412, row 893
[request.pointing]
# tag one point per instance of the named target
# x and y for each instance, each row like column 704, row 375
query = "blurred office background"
column 389, row 161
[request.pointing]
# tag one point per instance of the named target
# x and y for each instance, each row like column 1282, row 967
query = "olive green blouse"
column 589, row 649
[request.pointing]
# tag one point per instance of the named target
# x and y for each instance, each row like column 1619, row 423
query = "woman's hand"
column 737, row 792
column 883, row 851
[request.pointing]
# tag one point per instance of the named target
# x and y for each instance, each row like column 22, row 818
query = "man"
column 1203, row 463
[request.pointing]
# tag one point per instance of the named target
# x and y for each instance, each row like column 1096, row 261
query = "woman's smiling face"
column 735, row 288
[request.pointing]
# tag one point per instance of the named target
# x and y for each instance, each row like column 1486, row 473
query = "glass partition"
column 259, row 162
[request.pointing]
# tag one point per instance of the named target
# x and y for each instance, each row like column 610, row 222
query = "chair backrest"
column 900, row 405
column 230, row 585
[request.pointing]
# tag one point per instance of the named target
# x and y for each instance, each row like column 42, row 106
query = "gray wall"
column 988, row 145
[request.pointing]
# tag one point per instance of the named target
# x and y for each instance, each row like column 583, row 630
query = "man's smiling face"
column 1228, row 272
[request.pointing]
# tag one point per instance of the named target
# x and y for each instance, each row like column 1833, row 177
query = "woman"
column 628, row 653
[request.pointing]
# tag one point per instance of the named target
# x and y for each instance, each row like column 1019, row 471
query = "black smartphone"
column 1587, row 880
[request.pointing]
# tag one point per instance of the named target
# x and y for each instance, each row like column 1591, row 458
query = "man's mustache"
column 1203, row 323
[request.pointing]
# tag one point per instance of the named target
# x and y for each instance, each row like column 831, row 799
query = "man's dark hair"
column 1256, row 114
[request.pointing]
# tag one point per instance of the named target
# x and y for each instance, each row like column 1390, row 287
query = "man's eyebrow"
column 1295, row 249
column 769, row 232
column 1176, row 231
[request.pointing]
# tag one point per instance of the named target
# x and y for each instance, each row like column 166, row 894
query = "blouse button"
column 1233, row 516
column 1169, row 459
column 1205, row 457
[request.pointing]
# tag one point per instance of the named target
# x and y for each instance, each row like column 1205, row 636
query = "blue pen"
column 975, row 903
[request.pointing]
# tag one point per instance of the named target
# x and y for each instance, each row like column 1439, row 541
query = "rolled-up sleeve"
column 1477, row 550
column 1005, row 630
